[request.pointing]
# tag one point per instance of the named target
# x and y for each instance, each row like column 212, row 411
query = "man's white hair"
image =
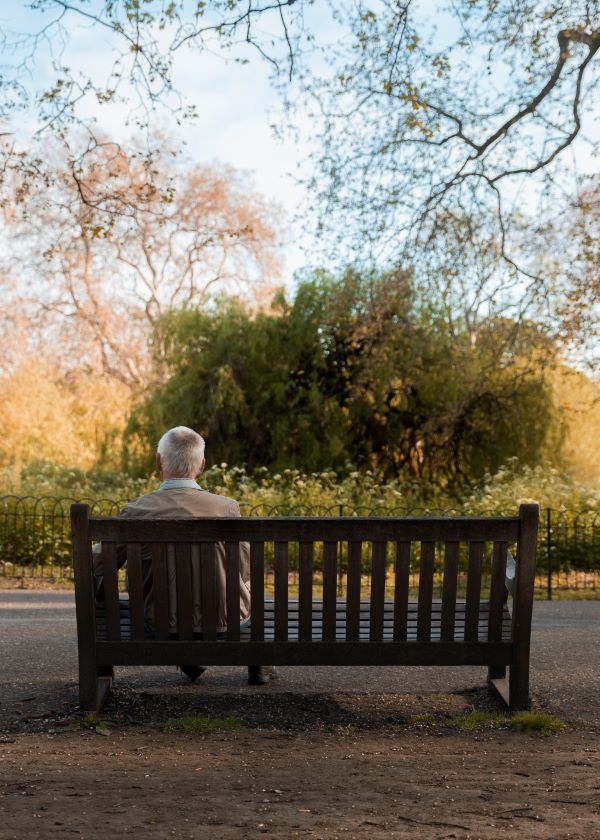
column 181, row 451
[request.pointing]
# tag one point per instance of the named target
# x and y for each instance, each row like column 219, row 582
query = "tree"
column 438, row 144
column 356, row 372
column 577, row 402
column 107, row 251
column 500, row 93
column 77, row 421
column 437, row 147
column 579, row 274
column 143, row 37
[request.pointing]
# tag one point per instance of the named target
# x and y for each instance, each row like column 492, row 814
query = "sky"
column 237, row 108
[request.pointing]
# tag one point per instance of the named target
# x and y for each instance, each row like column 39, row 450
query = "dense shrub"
column 34, row 525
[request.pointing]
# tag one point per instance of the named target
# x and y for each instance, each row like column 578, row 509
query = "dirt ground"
column 321, row 766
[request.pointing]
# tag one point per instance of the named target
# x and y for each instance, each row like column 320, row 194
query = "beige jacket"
column 183, row 503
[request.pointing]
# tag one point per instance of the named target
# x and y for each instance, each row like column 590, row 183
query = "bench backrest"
column 371, row 545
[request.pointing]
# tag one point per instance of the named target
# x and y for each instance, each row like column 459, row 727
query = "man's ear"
column 202, row 465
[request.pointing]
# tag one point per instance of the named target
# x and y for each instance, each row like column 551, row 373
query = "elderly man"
column 179, row 460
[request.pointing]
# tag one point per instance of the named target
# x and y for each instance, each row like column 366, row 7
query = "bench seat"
column 317, row 621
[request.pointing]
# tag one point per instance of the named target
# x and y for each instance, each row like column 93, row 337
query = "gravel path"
column 38, row 652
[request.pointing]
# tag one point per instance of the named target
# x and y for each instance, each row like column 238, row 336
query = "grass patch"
column 479, row 720
column 201, row 725
column 538, row 722
column 89, row 722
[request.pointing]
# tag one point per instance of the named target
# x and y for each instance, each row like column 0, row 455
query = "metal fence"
column 35, row 540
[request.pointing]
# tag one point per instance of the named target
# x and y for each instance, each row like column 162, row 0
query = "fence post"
column 549, row 553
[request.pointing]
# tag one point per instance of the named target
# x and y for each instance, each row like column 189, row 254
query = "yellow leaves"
column 104, row 96
column 535, row 42
column 413, row 43
column 57, row 89
column 45, row 418
column 98, row 231
column 413, row 122
column 441, row 65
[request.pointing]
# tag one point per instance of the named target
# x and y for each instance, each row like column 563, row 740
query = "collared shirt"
column 177, row 483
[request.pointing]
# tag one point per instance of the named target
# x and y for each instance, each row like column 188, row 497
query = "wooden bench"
column 325, row 630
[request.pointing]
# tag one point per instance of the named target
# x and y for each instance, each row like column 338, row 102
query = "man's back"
column 180, row 503
column 185, row 503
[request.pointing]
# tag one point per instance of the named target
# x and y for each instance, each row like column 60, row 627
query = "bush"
column 34, row 519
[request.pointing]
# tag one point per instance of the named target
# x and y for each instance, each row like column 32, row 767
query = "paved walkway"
column 38, row 656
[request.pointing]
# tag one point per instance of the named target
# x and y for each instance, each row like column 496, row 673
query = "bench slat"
column 473, row 590
column 378, row 568
column 401, row 585
column 329, row 589
column 160, row 591
column 306, row 653
column 111, row 590
column 306, row 529
column 425, row 591
column 353, row 590
column 281, row 590
column 232, row 563
column 449, row 590
column 135, row 585
column 183, row 570
column 208, row 560
column 498, row 591
column 257, row 589
column 305, row 591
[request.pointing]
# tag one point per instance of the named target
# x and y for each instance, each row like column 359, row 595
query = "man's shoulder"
column 142, row 503
column 181, row 502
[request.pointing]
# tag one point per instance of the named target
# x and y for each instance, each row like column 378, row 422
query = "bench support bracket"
column 501, row 688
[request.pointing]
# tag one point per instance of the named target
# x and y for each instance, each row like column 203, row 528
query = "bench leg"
column 88, row 685
column 519, row 687
column 498, row 683
column 107, row 671
column 102, row 691
column 513, row 691
column 496, row 672
column 94, row 684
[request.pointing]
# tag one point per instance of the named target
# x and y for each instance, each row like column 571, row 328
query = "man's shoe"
column 261, row 674
column 192, row 671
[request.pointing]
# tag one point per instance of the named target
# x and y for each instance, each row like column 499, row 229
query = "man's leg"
column 258, row 674
column 191, row 671
column 261, row 674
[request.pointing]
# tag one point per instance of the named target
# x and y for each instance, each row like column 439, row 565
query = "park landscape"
column 355, row 246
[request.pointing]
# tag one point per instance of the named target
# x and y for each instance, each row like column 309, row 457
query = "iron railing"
column 35, row 539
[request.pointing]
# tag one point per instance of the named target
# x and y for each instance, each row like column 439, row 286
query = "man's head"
column 180, row 453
